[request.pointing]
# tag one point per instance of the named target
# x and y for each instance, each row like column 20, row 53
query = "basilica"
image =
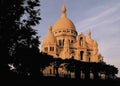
column 63, row 41
column 78, row 53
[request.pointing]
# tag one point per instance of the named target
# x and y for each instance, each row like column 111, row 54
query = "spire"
column 50, row 28
column 63, row 11
column 89, row 33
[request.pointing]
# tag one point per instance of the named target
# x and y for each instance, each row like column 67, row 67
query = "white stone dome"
column 49, row 38
column 63, row 23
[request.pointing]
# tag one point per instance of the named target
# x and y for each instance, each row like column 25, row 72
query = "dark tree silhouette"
column 96, row 69
column 57, row 62
column 9, row 19
column 18, row 38
column 70, row 65
column 45, row 60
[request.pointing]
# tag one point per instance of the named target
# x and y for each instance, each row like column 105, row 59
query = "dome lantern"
column 63, row 11
column 50, row 28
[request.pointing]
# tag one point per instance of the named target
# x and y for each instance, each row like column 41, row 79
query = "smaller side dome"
column 49, row 38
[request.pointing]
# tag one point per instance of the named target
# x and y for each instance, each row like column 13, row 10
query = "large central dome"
column 64, row 23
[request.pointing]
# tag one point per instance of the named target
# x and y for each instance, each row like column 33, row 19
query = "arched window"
column 71, row 41
column 89, row 55
column 63, row 42
column 51, row 48
column 81, row 41
column 60, row 42
column 72, row 54
column 46, row 49
column 81, row 55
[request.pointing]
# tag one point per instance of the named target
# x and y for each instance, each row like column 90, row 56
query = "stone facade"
column 63, row 41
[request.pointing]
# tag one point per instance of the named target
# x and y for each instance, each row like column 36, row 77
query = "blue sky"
column 102, row 17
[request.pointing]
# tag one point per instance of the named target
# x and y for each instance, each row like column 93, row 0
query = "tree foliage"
column 18, row 38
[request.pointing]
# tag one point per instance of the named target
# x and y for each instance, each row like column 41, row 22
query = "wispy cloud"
column 105, row 28
column 104, row 24
column 107, row 16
